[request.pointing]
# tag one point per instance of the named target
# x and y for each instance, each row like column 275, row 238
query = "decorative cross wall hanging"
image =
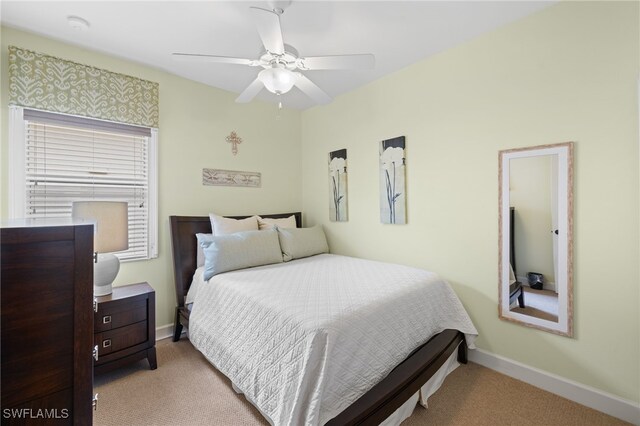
column 234, row 140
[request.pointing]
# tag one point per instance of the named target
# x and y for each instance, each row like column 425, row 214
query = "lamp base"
column 105, row 270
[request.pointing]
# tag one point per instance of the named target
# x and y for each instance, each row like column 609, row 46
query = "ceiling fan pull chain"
column 279, row 110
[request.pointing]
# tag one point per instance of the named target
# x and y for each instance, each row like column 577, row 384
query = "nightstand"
column 125, row 327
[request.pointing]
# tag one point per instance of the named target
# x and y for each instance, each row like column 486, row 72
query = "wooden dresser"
column 46, row 298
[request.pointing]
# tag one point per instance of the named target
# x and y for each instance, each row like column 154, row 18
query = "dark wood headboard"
column 183, row 245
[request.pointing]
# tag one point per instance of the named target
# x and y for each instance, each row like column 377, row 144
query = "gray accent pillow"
column 240, row 250
column 202, row 238
column 222, row 226
column 302, row 242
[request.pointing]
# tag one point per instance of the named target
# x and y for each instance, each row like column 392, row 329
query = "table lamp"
column 111, row 234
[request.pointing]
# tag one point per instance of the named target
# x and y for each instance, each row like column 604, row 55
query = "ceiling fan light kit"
column 280, row 60
column 277, row 79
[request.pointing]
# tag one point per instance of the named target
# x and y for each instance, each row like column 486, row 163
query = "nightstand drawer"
column 121, row 338
column 114, row 315
column 125, row 327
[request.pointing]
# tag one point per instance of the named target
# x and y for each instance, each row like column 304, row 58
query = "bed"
column 394, row 392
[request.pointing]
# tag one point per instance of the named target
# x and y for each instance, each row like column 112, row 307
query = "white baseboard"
column 164, row 332
column 582, row 394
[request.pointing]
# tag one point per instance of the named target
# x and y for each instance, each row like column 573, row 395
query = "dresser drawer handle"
column 106, row 343
column 95, row 352
column 106, row 319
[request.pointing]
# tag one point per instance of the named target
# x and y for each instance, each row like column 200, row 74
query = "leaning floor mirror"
column 535, row 227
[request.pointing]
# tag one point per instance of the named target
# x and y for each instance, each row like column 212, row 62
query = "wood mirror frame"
column 563, row 271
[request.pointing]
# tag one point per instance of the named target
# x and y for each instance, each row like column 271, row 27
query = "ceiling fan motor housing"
column 289, row 58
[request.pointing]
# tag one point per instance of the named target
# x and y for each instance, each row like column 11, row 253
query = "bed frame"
column 381, row 400
column 516, row 292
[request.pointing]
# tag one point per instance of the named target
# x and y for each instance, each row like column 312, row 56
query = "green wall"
column 567, row 73
column 194, row 121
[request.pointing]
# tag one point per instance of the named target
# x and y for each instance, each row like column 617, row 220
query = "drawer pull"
column 94, row 402
column 95, row 352
column 106, row 343
column 106, row 319
column 95, row 305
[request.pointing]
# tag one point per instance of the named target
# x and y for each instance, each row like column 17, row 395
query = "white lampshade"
column 111, row 223
column 111, row 233
column 277, row 79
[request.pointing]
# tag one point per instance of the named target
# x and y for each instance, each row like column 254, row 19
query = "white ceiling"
column 398, row 33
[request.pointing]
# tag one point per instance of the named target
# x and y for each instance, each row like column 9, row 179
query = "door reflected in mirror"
column 535, row 237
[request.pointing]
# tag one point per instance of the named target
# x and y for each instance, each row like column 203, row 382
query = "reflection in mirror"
column 532, row 205
column 535, row 237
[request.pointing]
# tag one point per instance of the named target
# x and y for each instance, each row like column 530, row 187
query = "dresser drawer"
column 121, row 338
column 114, row 315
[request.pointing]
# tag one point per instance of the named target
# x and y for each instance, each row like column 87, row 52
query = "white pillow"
column 302, row 242
column 268, row 223
column 240, row 250
column 224, row 225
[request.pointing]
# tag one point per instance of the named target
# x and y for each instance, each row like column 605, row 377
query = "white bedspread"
column 304, row 339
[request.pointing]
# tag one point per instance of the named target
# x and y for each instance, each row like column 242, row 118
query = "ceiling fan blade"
column 268, row 24
column 250, row 92
column 197, row 57
column 310, row 89
column 338, row 62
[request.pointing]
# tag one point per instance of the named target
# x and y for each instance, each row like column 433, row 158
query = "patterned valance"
column 52, row 84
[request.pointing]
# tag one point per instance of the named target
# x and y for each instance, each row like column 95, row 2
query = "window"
column 57, row 159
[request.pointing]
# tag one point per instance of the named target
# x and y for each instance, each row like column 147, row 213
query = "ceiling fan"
column 281, row 62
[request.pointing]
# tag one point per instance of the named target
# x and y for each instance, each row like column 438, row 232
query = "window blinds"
column 74, row 159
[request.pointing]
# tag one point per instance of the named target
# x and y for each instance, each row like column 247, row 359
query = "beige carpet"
column 187, row 390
